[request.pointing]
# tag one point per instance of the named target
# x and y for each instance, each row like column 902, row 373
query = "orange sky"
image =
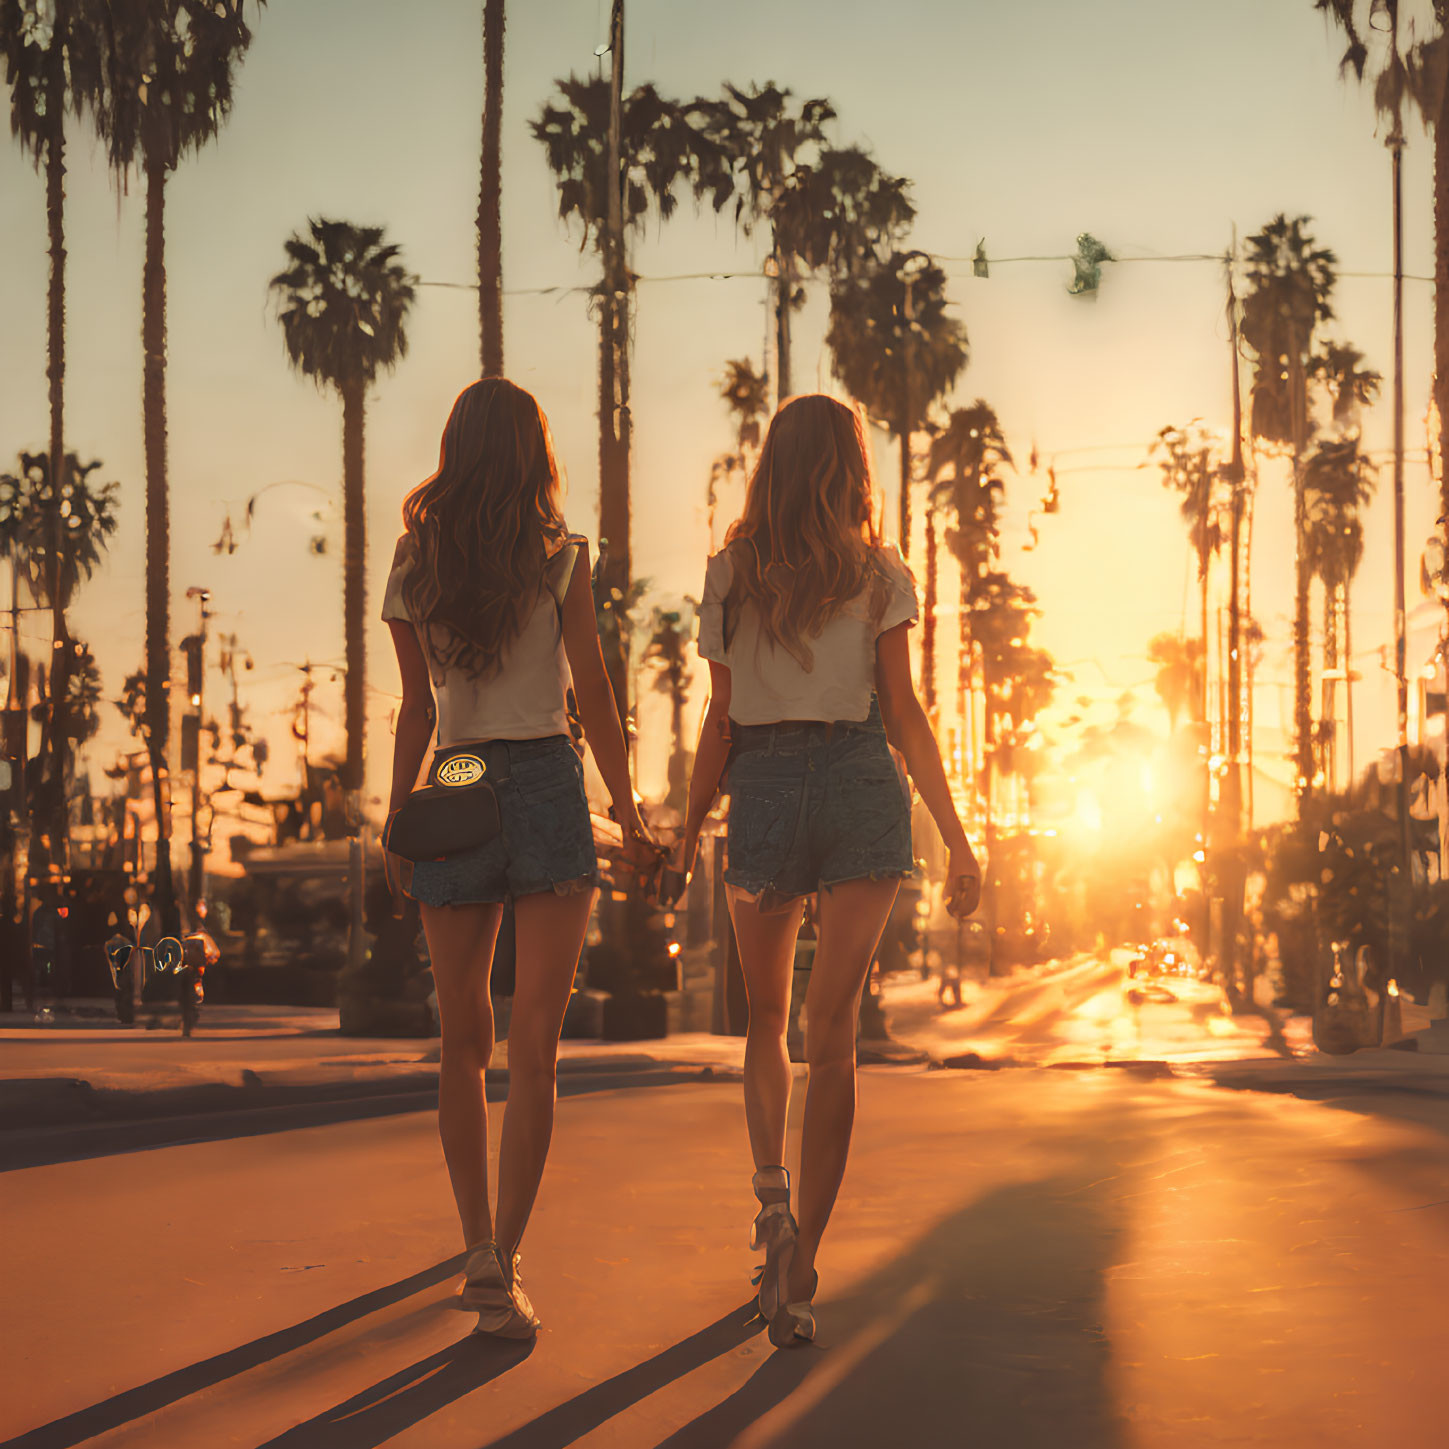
column 1155, row 124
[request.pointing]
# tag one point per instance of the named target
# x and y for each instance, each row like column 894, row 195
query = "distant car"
column 1167, row 957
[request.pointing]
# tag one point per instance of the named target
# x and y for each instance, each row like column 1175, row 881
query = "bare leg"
column 460, row 943
column 767, row 958
column 852, row 916
column 550, row 934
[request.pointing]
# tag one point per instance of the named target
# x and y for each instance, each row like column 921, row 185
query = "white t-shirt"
column 768, row 684
column 525, row 698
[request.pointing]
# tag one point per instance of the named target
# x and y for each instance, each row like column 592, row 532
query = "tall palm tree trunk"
column 784, row 291
column 1441, row 297
column 614, row 523
column 158, row 531
column 1204, row 558
column 354, row 582
column 928, row 617
column 1328, row 725
column 490, row 193
column 905, row 441
column 1348, row 680
column 1302, row 664
column 614, row 541
column 56, row 828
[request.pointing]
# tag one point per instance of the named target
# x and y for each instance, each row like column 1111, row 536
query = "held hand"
column 642, row 856
column 678, row 868
column 963, row 884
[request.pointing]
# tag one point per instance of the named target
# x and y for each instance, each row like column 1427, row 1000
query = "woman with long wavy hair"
column 491, row 612
column 804, row 622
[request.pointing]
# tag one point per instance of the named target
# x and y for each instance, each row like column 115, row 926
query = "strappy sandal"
column 794, row 1323
column 775, row 1230
column 496, row 1294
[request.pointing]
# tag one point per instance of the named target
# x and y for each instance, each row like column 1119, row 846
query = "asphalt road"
column 1028, row 1257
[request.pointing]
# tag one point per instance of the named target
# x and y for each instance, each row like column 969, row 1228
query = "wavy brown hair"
column 483, row 527
column 808, row 541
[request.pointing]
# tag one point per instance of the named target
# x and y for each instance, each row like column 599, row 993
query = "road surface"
column 1032, row 1256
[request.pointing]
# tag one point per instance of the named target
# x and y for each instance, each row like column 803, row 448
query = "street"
column 1181, row 1250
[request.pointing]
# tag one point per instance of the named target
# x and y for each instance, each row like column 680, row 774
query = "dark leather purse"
column 458, row 813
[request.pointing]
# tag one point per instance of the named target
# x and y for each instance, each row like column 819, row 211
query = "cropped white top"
column 768, row 684
column 525, row 697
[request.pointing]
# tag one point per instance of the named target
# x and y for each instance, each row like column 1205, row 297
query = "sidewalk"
column 87, row 1070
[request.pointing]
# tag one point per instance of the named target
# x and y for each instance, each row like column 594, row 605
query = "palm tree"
column 490, row 192
column 1351, row 387
column 52, row 65
column 1338, row 482
column 1017, row 679
column 53, row 566
column 167, row 74
column 746, row 393
column 1290, row 283
column 962, row 473
column 825, row 207
column 1417, row 75
column 1189, row 468
column 895, row 349
column 668, row 651
column 343, row 304
column 1179, row 678
column 659, row 150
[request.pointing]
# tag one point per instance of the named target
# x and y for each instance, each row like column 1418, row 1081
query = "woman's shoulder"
column 405, row 553
column 889, row 561
column 559, row 567
column 719, row 569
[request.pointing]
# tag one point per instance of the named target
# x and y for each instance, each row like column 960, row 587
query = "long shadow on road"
column 170, row 1388
column 406, row 1398
column 988, row 1331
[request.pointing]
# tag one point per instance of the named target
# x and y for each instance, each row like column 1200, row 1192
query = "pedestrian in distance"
column 492, row 614
column 804, row 621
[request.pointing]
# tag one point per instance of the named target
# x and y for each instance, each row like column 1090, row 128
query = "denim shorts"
column 547, row 842
column 814, row 804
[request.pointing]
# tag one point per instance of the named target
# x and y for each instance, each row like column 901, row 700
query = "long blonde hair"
column 483, row 527
column 808, row 541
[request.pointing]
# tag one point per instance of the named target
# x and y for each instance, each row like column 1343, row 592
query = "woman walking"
column 804, row 622
column 491, row 611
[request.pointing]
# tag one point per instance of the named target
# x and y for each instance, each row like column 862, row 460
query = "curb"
column 28, row 1103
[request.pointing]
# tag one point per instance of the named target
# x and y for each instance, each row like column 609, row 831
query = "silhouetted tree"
column 343, row 303
column 746, row 393
column 168, row 70
column 896, row 349
column 1290, row 283
column 659, row 151
column 962, row 474
column 490, row 196
column 826, row 207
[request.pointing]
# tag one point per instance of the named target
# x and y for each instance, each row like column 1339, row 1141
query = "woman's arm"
column 416, row 715
column 709, row 762
column 908, row 729
column 595, row 695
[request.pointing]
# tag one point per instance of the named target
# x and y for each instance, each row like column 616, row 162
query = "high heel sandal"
column 494, row 1292
column 793, row 1324
column 775, row 1230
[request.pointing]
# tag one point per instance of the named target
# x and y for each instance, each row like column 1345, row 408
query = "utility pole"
column 1230, row 802
column 615, row 562
column 1396, row 150
column 196, row 884
column 16, row 891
